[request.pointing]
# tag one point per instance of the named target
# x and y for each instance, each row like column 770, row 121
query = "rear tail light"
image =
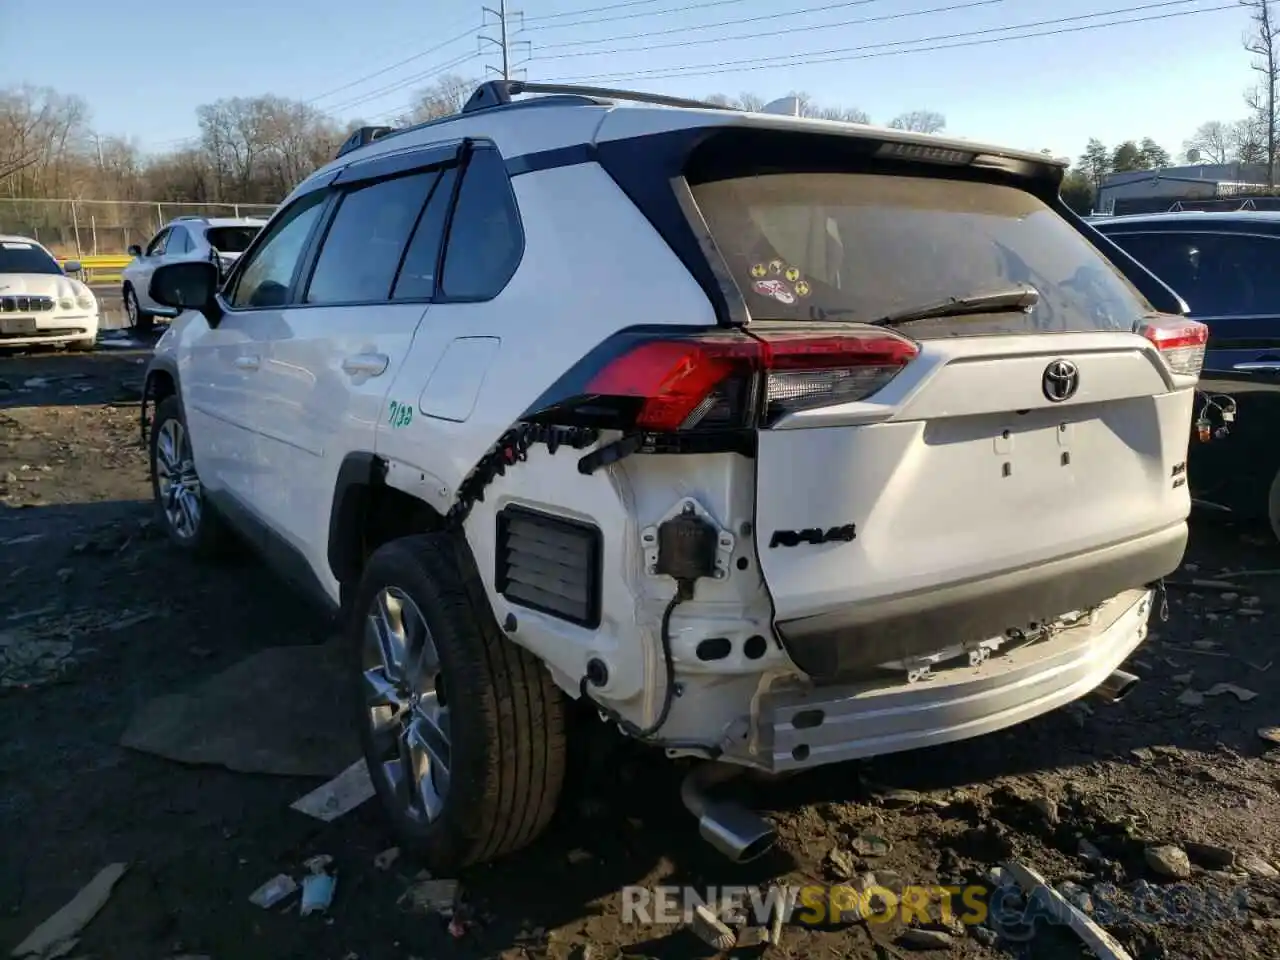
column 663, row 382
column 1181, row 342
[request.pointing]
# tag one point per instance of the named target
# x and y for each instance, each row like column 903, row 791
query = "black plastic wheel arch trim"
column 357, row 473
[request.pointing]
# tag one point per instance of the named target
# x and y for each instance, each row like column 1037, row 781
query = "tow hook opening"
column 731, row 828
column 1116, row 687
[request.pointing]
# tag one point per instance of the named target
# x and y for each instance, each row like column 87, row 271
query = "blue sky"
column 144, row 69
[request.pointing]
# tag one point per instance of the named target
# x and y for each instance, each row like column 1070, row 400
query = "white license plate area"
column 18, row 325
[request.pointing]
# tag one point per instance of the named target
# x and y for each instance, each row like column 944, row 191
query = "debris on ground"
column 1255, row 866
column 840, row 864
column 1102, row 944
column 432, row 896
column 274, row 891
column 386, row 858
column 340, row 795
column 578, row 856
column 1168, row 860
column 870, row 845
column 58, row 935
column 1209, row 856
column 921, row 938
column 317, row 891
column 1270, row 734
column 1240, row 693
column 1191, row 698
column 711, row 930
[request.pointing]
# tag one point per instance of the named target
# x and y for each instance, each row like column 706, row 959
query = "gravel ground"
column 98, row 615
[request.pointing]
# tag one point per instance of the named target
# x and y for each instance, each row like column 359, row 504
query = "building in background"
column 1203, row 186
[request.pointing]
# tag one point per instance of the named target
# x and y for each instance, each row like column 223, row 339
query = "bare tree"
column 920, row 121
column 808, row 106
column 444, row 97
column 1212, row 139
column 1246, row 141
column 1262, row 43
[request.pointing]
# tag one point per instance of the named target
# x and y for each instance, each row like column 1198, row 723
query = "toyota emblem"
column 1061, row 381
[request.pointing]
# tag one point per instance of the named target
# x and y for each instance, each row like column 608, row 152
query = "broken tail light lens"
column 1181, row 342
column 665, row 382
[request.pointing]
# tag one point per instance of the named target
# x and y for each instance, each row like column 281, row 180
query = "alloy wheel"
column 406, row 705
column 181, row 496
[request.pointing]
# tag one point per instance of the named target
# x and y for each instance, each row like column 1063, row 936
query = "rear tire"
column 1273, row 506
column 139, row 320
column 466, row 743
column 189, row 520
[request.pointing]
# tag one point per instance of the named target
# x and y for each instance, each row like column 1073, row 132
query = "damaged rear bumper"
column 799, row 729
column 848, row 642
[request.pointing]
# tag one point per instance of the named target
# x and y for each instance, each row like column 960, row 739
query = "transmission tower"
column 504, row 40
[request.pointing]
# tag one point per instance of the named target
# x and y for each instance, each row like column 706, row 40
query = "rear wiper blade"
column 995, row 301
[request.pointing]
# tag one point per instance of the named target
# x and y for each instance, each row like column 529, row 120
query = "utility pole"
column 503, row 41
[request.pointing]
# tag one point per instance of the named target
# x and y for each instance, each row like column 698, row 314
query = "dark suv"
column 1226, row 266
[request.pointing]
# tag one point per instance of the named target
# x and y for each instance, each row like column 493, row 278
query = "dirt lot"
column 98, row 616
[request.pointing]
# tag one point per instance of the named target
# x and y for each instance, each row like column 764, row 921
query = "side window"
column 156, row 247
column 177, row 242
column 1217, row 274
column 485, row 239
column 266, row 277
column 417, row 280
column 366, row 240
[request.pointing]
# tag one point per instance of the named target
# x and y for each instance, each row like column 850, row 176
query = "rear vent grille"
column 550, row 564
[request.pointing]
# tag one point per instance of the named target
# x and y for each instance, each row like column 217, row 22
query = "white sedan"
column 39, row 303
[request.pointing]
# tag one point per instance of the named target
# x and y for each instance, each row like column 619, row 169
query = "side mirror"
column 191, row 285
column 134, row 250
column 72, row 266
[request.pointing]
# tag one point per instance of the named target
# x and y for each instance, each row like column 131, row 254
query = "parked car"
column 39, row 302
column 218, row 240
column 1227, row 268
column 734, row 427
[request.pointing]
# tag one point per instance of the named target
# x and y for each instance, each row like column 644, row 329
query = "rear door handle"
column 1267, row 366
column 365, row 364
column 247, row 363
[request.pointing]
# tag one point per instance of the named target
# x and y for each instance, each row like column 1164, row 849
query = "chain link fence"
column 90, row 228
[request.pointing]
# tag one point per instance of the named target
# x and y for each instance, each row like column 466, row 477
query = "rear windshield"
column 231, row 239
column 857, row 247
column 18, row 256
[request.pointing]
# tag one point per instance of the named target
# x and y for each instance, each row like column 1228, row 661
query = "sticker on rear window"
column 775, row 289
column 10, row 245
column 802, row 288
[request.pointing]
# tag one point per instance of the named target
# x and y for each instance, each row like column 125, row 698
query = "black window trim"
column 365, row 172
column 233, row 277
column 406, row 163
column 471, row 147
column 223, row 296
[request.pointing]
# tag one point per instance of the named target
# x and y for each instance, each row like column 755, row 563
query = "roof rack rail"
column 496, row 93
column 361, row 137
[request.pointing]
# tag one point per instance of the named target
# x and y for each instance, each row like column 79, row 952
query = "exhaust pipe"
column 730, row 827
column 1116, row 687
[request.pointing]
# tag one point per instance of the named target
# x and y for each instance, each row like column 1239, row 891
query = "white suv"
column 217, row 240
column 780, row 442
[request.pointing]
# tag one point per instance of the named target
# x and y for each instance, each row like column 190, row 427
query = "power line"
column 855, row 53
column 840, row 5
column 578, row 13
column 404, row 82
column 394, row 66
column 637, row 16
column 968, row 4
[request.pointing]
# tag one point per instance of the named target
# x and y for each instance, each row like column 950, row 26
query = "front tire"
column 463, row 731
column 140, row 321
column 187, row 518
